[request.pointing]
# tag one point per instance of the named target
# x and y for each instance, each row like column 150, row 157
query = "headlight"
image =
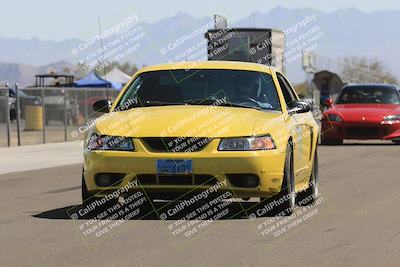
column 392, row 118
column 334, row 118
column 104, row 142
column 247, row 144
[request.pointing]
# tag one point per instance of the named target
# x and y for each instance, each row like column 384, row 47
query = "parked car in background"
column 58, row 109
column 7, row 109
column 363, row 111
column 24, row 100
column 59, row 105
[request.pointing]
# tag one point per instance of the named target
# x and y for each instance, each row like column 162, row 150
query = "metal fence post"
column 86, row 106
column 65, row 115
column 18, row 114
column 43, row 118
column 8, row 113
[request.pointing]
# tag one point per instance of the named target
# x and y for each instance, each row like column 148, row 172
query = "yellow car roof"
column 229, row 65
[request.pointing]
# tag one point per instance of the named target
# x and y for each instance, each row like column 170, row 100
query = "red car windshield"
column 368, row 95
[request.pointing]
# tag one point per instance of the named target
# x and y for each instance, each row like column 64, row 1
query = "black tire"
column 310, row 195
column 288, row 184
column 330, row 142
column 287, row 196
column 86, row 196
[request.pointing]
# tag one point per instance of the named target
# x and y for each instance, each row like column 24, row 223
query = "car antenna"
column 102, row 55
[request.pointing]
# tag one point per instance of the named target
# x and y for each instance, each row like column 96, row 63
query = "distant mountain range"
column 24, row 74
column 347, row 32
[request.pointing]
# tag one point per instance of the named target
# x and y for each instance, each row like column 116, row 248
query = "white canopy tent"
column 117, row 76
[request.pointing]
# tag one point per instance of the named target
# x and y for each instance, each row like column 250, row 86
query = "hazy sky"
column 57, row 20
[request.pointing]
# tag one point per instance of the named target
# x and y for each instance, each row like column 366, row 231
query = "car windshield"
column 369, row 95
column 247, row 89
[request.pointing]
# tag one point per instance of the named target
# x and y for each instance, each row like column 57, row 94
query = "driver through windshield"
column 247, row 89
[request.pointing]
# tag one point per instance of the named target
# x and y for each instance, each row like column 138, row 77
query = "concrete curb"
column 34, row 157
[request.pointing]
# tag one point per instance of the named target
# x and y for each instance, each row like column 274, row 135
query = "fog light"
column 103, row 180
column 244, row 180
column 108, row 179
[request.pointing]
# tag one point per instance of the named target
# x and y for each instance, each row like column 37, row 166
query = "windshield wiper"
column 151, row 103
column 238, row 106
column 207, row 102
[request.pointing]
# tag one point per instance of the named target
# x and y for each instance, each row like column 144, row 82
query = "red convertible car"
column 363, row 111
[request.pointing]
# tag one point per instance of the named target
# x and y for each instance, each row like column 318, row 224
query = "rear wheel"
column 310, row 195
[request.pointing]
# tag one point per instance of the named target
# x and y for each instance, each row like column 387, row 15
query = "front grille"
column 176, row 144
column 147, row 179
column 363, row 132
column 175, row 179
column 198, row 179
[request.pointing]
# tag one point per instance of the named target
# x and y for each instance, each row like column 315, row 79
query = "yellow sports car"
column 184, row 127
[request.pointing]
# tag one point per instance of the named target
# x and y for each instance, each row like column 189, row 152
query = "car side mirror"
column 297, row 107
column 102, row 106
column 329, row 102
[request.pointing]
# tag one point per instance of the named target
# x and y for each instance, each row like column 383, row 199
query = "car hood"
column 367, row 111
column 193, row 121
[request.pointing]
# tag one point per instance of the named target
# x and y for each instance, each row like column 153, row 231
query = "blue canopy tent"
column 94, row 80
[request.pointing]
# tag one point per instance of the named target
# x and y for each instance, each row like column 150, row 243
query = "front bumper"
column 267, row 165
column 360, row 130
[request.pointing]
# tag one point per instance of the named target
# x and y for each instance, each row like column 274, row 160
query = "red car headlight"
column 392, row 118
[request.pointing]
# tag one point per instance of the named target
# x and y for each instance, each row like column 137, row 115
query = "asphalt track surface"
column 356, row 224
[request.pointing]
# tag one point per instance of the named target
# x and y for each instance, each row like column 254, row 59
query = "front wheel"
column 86, row 196
column 310, row 195
column 287, row 196
column 328, row 141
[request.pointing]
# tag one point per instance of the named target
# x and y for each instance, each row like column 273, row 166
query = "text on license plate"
column 174, row 166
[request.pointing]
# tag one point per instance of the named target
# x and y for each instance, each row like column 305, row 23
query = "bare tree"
column 66, row 70
column 128, row 68
column 80, row 70
column 301, row 89
column 364, row 70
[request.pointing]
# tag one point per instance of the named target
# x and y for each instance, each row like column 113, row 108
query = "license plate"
column 173, row 166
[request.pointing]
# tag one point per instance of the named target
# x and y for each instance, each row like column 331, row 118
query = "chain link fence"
column 47, row 115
